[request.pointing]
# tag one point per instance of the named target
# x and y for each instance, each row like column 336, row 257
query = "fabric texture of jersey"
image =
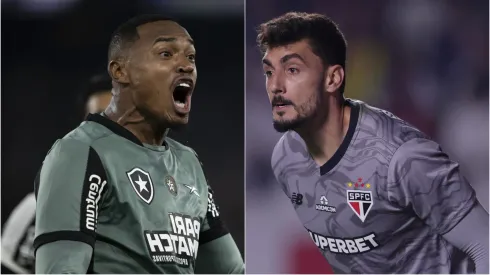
column 383, row 201
column 143, row 209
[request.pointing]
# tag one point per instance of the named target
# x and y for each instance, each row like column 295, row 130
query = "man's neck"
column 133, row 120
column 324, row 136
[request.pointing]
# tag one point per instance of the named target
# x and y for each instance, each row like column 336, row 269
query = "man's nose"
column 185, row 66
column 276, row 84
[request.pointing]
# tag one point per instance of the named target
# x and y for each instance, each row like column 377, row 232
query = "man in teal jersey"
column 116, row 195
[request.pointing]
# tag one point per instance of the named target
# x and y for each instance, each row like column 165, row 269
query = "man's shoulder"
column 87, row 132
column 181, row 149
column 385, row 126
column 79, row 140
column 290, row 149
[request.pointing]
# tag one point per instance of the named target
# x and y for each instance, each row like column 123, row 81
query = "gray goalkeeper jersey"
column 382, row 202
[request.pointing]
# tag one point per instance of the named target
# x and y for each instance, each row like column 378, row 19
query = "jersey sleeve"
column 421, row 177
column 218, row 252
column 220, row 256
column 18, row 237
column 70, row 189
column 474, row 244
column 213, row 227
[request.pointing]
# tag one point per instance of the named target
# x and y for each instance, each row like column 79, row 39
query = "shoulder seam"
column 401, row 145
column 393, row 156
column 90, row 143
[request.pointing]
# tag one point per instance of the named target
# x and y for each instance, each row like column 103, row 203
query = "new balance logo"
column 297, row 198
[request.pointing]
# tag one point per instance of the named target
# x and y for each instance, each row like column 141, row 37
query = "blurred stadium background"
column 426, row 61
column 51, row 48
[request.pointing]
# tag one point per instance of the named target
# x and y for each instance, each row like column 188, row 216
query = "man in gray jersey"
column 18, row 231
column 375, row 194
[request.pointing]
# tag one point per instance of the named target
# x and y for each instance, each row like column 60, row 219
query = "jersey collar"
column 339, row 154
column 114, row 127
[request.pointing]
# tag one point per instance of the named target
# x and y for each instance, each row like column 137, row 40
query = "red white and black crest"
column 360, row 202
column 142, row 184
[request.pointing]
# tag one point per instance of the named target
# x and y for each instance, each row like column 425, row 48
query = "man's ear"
column 118, row 72
column 334, row 77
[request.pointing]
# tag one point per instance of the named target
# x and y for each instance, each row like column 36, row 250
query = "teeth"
column 180, row 104
column 184, row 85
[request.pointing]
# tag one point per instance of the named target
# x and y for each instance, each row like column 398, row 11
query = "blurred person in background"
column 99, row 94
column 18, row 232
column 405, row 197
column 108, row 217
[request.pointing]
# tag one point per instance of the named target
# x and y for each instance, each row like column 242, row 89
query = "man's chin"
column 179, row 123
column 283, row 125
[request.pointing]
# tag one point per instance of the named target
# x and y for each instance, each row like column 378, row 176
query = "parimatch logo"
column 178, row 246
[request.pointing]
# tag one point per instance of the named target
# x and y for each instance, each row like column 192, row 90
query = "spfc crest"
column 142, row 184
column 172, row 186
column 360, row 202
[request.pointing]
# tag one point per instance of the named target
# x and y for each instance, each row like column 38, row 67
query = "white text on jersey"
column 96, row 188
column 178, row 246
column 345, row 245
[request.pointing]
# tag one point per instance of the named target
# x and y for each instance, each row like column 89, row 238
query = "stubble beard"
column 305, row 113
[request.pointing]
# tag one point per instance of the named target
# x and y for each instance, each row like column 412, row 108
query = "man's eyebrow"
column 170, row 39
column 288, row 57
column 267, row 62
column 284, row 59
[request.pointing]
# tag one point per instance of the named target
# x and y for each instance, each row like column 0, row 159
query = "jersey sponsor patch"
column 345, row 245
column 172, row 186
column 178, row 246
column 323, row 206
column 90, row 202
column 142, row 184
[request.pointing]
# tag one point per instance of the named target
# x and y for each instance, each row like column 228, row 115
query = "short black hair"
column 127, row 33
column 323, row 35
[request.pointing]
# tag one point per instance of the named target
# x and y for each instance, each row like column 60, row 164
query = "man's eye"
column 165, row 54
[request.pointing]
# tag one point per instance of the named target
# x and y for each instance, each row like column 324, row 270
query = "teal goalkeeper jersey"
column 106, row 203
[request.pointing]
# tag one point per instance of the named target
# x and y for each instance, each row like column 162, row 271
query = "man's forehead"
column 161, row 28
column 300, row 47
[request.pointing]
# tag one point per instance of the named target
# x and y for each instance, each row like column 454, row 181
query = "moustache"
column 281, row 101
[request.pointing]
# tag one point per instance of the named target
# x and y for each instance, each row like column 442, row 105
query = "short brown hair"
column 323, row 35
